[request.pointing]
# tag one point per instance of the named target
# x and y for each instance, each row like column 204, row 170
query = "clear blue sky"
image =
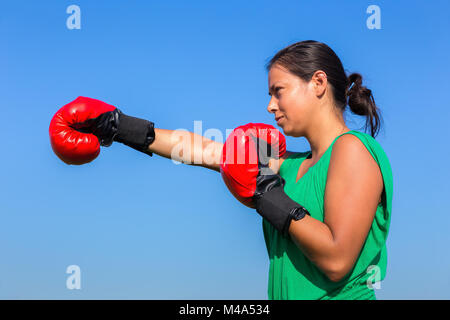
column 146, row 228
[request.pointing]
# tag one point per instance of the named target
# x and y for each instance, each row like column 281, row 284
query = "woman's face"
column 292, row 101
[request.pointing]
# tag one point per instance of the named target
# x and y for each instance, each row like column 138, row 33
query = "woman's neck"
column 321, row 137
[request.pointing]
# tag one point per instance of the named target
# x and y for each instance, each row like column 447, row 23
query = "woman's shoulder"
column 355, row 148
column 365, row 138
column 371, row 144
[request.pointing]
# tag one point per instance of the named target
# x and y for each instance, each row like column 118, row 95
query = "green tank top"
column 291, row 274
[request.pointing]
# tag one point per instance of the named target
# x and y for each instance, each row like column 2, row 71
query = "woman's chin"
column 288, row 131
column 285, row 130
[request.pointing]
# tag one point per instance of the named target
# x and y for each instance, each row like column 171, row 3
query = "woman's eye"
column 276, row 90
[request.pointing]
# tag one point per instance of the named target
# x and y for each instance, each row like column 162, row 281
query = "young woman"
column 344, row 181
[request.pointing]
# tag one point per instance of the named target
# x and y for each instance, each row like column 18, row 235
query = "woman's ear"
column 319, row 81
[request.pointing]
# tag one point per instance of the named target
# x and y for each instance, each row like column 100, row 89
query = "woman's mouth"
column 279, row 119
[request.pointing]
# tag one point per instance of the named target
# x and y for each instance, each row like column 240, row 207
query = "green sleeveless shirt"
column 291, row 274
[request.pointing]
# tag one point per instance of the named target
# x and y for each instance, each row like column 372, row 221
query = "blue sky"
column 146, row 228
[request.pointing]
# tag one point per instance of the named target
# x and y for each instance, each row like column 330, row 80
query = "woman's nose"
column 272, row 107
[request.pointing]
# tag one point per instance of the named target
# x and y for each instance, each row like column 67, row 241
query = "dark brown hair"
column 306, row 57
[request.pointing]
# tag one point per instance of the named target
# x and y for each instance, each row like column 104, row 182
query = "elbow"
column 336, row 271
column 335, row 276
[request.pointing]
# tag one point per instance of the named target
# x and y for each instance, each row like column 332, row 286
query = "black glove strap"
column 279, row 209
column 135, row 133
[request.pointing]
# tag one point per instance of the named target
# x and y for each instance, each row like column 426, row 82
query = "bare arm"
column 193, row 149
column 353, row 189
column 187, row 147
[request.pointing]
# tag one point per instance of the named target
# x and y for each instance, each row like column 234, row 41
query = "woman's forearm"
column 187, row 147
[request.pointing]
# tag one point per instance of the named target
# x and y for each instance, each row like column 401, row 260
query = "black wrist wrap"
column 277, row 208
column 135, row 133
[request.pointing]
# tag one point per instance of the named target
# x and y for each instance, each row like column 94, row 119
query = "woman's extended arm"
column 187, row 147
column 194, row 149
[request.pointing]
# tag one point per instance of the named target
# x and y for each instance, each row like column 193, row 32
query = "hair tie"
column 351, row 86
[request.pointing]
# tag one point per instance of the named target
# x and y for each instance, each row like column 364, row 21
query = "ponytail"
column 361, row 102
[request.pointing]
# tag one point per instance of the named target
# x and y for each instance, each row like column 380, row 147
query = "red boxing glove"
column 69, row 142
column 239, row 163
